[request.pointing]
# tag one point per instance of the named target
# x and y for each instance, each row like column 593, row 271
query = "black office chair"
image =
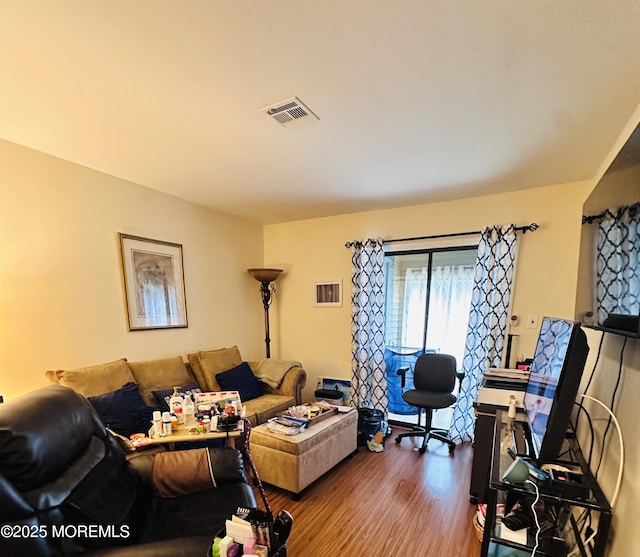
column 434, row 378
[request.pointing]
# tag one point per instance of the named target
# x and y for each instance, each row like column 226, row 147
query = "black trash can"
column 370, row 421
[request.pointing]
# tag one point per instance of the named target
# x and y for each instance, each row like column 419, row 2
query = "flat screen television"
column 557, row 366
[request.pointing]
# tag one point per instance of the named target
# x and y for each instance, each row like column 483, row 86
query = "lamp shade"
column 265, row 275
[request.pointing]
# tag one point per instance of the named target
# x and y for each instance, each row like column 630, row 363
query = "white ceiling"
column 418, row 100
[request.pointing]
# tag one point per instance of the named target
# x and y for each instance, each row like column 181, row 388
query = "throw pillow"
column 212, row 362
column 94, row 380
column 123, row 410
column 155, row 375
column 162, row 396
column 241, row 379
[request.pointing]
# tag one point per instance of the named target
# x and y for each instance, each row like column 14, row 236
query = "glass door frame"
column 429, row 252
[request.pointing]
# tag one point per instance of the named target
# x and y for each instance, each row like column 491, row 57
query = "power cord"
column 581, row 408
column 612, row 405
column 535, row 516
column 616, row 491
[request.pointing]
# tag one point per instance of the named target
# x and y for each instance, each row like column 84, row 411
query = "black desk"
column 490, row 399
column 563, row 505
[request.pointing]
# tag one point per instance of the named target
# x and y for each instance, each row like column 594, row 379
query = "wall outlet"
column 532, row 321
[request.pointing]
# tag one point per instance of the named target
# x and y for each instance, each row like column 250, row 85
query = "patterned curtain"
column 490, row 302
column 369, row 381
column 617, row 256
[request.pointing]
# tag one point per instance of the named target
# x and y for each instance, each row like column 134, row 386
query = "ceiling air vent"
column 290, row 112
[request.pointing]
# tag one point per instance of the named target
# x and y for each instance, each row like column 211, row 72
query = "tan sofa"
column 202, row 367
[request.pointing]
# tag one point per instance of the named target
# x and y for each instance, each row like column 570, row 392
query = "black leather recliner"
column 66, row 487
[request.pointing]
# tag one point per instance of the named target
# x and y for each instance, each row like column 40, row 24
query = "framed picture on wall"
column 329, row 294
column 153, row 277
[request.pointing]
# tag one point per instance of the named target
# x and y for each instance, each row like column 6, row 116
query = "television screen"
column 556, row 370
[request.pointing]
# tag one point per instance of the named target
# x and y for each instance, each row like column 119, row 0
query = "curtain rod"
column 591, row 218
column 530, row 227
column 633, row 209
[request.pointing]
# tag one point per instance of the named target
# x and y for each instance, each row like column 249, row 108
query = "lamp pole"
column 265, row 277
column 266, row 302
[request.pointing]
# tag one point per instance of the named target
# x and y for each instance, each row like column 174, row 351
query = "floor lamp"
column 266, row 277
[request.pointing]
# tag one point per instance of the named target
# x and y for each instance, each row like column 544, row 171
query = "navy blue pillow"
column 164, row 395
column 241, row 379
column 122, row 410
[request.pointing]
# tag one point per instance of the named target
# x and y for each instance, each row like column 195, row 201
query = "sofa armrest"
column 292, row 383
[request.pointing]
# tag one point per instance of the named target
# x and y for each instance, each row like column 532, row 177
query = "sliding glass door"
column 427, row 297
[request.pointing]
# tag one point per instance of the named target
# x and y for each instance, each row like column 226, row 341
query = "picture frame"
column 153, row 276
column 328, row 294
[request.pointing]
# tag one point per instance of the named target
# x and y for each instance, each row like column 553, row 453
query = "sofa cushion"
column 241, row 379
column 160, row 374
column 94, row 380
column 209, row 363
column 162, row 396
column 123, row 410
column 260, row 409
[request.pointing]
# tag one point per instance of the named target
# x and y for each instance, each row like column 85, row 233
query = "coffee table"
column 181, row 434
column 292, row 462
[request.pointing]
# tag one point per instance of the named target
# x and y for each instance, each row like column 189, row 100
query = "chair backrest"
column 58, row 465
column 435, row 372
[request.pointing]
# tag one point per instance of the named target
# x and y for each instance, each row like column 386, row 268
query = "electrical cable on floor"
column 535, row 516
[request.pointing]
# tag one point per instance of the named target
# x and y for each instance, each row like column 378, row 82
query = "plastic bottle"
column 157, row 423
column 175, row 405
column 188, row 411
column 166, row 423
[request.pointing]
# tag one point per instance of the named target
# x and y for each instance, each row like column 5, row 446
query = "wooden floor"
column 381, row 504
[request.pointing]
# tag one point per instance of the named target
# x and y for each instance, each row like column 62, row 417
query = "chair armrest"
column 402, row 372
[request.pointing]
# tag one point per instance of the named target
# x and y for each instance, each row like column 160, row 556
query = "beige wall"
column 61, row 296
column 616, row 357
column 615, row 360
column 313, row 250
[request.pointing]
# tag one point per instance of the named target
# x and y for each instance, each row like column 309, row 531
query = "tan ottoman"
column 292, row 462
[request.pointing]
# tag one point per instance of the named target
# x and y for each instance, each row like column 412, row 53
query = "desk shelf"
column 563, row 535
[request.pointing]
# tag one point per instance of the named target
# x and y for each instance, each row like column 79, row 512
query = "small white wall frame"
column 328, row 294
